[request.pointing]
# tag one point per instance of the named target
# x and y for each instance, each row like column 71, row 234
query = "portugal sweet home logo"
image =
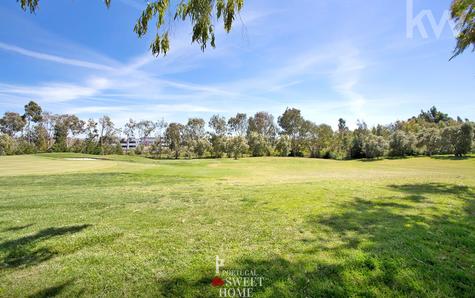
column 235, row 283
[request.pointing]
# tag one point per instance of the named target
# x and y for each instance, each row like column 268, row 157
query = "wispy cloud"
column 134, row 4
column 53, row 58
column 153, row 108
column 346, row 77
column 55, row 92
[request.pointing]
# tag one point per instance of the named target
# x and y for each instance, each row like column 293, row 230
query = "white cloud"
column 57, row 91
column 53, row 58
column 346, row 77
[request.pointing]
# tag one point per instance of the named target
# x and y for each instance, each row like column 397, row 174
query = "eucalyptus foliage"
column 160, row 13
column 463, row 13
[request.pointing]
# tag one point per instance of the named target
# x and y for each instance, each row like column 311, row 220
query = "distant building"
column 132, row 144
column 126, row 146
column 147, row 141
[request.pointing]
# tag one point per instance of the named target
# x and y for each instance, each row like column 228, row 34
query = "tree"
column 382, row 131
column 157, row 146
column 261, row 134
column 201, row 14
column 283, row 145
column 7, row 145
column 342, row 140
column 342, row 125
column 173, row 135
column 357, row 143
column 434, row 116
column 291, row 123
column 11, row 123
column 107, row 135
column 374, row 146
column 259, row 145
column 237, row 146
column 129, row 131
column 60, row 136
column 64, row 126
column 447, row 140
column 463, row 13
column 401, row 143
column 195, row 137
column 238, row 124
column 48, row 121
column 218, row 124
column 74, row 124
column 263, row 124
column 145, row 129
column 91, row 142
column 317, row 138
column 429, row 138
column 33, row 113
column 218, row 135
column 40, row 138
column 463, row 139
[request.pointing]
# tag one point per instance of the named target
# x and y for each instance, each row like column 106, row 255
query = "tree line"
column 431, row 132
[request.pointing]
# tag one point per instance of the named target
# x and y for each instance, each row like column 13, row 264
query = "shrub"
column 139, row 149
column 118, row 149
column 463, row 139
column 402, row 143
column 237, row 146
column 283, row 146
column 7, row 145
column 375, row 146
column 329, row 155
column 259, row 145
column 430, row 140
column 25, row 147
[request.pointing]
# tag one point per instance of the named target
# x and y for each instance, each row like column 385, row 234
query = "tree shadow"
column 452, row 157
column 371, row 247
column 17, row 228
column 370, row 159
column 426, row 249
column 51, row 291
column 186, row 287
column 22, row 252
column 461, row 191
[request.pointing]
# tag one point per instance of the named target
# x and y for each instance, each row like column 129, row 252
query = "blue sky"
column 330, row 58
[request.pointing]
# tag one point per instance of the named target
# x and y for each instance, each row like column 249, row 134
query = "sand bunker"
column 79, row 158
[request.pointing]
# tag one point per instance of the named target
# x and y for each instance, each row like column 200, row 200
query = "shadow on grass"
column 17, row 228
column 370, row 159
column 383, row 158
column 371, row 248
column 51, row 291
column 404, row 253
column 452, row 157
column 461, row 191
column 21, row 252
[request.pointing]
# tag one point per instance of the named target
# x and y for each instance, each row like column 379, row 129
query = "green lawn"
column 130, row 226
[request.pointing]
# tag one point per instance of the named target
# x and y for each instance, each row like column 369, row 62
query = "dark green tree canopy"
column 33, row 112
column 434, row 116
column 201, row 14
column 11, row 123
column 291, row 121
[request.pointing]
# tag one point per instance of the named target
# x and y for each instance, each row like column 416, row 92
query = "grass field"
column 130, row 226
